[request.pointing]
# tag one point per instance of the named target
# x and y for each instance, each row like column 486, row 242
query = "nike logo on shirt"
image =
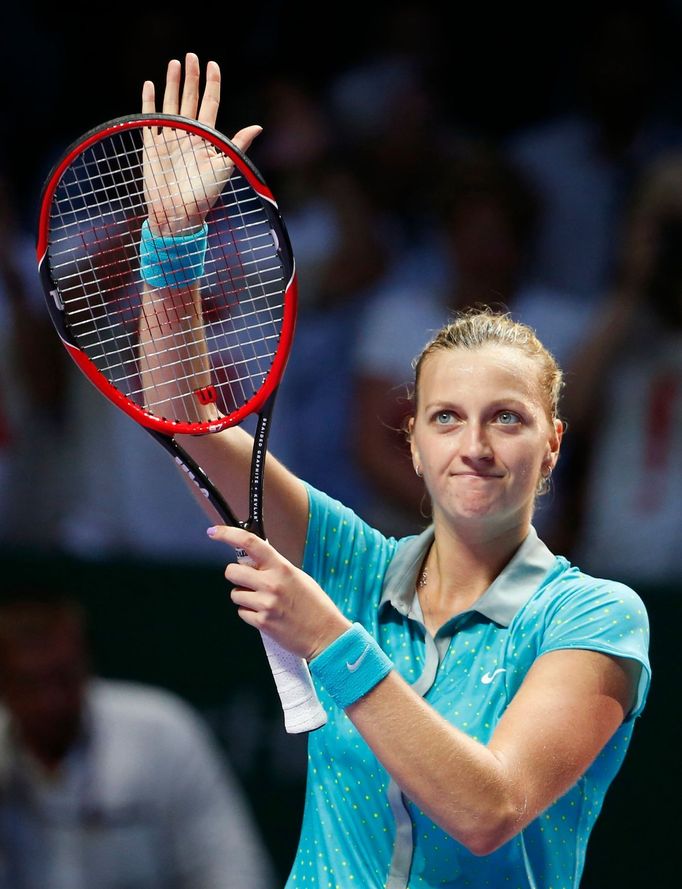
column 487, row 678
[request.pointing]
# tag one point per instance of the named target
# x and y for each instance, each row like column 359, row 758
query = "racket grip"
column 302, row 709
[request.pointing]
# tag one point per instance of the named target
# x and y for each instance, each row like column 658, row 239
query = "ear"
column 416, row 462
column 554, row 444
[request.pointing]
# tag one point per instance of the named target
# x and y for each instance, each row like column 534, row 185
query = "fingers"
column 148, row 107
column 190, row 89
column 208, row 112
column 148, row 97
column 259, row 551
column 245, row 137
column 171, row 95
column 183, row 97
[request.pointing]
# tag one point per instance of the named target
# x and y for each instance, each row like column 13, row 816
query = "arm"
column 169, row 315
column 570, row 704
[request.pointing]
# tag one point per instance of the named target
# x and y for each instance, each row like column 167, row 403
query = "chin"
column 485, row 511
column 473, row 511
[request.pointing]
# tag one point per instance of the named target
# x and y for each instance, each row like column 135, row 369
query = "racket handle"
column 302, row 709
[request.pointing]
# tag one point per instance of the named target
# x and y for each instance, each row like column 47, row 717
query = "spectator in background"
column 488, row 217
column 624, row 403
column 106, row 784
column 75, row 473
column 392, row 121
column 32, row 389
column 584, row 163
column 340, row 243
column 124, row 497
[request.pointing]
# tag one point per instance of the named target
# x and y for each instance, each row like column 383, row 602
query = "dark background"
column 65, row 69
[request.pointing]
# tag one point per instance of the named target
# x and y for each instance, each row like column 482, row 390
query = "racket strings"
column 97, row 212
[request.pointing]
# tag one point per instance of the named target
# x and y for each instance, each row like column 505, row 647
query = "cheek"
column 526, row 459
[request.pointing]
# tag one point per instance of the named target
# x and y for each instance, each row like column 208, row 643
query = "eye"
column 508, row 418
column 444, row 418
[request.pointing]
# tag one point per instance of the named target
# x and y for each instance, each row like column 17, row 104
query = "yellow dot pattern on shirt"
column 350, row 833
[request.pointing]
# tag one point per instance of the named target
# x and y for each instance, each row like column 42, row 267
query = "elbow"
column 485, row 843
column 491, row 831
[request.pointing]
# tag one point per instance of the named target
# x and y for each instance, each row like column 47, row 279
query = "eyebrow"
column 503, row 402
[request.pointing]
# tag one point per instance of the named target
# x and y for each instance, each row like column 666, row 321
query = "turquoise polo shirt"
column 358, row 828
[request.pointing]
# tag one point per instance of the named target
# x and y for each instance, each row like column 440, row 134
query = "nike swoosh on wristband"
column 487, row 678
column 354, row 666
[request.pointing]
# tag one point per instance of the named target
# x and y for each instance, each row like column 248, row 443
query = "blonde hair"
column 478, row 327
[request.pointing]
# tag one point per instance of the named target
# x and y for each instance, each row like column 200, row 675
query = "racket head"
column 92, row 210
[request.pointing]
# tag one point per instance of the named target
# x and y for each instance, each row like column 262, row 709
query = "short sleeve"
column 345, row 555
column 603, row 616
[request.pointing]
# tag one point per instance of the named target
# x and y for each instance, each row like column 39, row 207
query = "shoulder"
column 569, row 591
column 569, row 586
column 331, row 521
column 343, row 553
column 574, row 610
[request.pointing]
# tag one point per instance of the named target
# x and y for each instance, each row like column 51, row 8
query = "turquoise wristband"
column 351, row 666
column 172, row 262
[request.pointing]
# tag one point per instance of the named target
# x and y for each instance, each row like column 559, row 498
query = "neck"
column 50, row 758
column 459, row 568
column 48, row 753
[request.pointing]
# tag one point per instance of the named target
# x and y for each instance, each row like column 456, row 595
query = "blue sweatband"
column 351, row 666
column 172, row 262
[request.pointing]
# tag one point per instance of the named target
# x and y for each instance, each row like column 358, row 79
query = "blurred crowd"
column 401, row 212
column 402, row 207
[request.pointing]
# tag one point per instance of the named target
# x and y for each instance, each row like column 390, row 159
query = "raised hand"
column 183, row 175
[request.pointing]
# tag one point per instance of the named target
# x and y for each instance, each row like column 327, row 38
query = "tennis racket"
column 220, row 347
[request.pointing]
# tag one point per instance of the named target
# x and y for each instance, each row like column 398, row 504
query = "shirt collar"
column 505, row 596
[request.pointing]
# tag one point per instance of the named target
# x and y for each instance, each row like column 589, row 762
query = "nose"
column 476, row 444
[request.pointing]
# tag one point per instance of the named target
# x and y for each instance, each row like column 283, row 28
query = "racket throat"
column 257, row 478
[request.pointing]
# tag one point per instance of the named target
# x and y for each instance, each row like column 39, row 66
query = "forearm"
column 457, row 781
column 173, row 354
column 173, row 347
column 174, row 364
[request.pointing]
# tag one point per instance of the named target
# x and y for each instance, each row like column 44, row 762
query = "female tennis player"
column 480, row 691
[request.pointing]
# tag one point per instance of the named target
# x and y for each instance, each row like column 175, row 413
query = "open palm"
column 183, row 177
column 183, row 173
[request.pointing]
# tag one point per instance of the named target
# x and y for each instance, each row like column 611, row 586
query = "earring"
column 418, row 470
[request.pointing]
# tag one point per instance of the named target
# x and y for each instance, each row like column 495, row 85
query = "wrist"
column 351, row 666
column 331, row 634
column 172, row 261
column 173, row 228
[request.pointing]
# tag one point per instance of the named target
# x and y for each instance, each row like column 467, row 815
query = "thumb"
column 244, row 137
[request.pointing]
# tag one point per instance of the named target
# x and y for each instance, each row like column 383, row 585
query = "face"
column 482, row 437
column 41, row 684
